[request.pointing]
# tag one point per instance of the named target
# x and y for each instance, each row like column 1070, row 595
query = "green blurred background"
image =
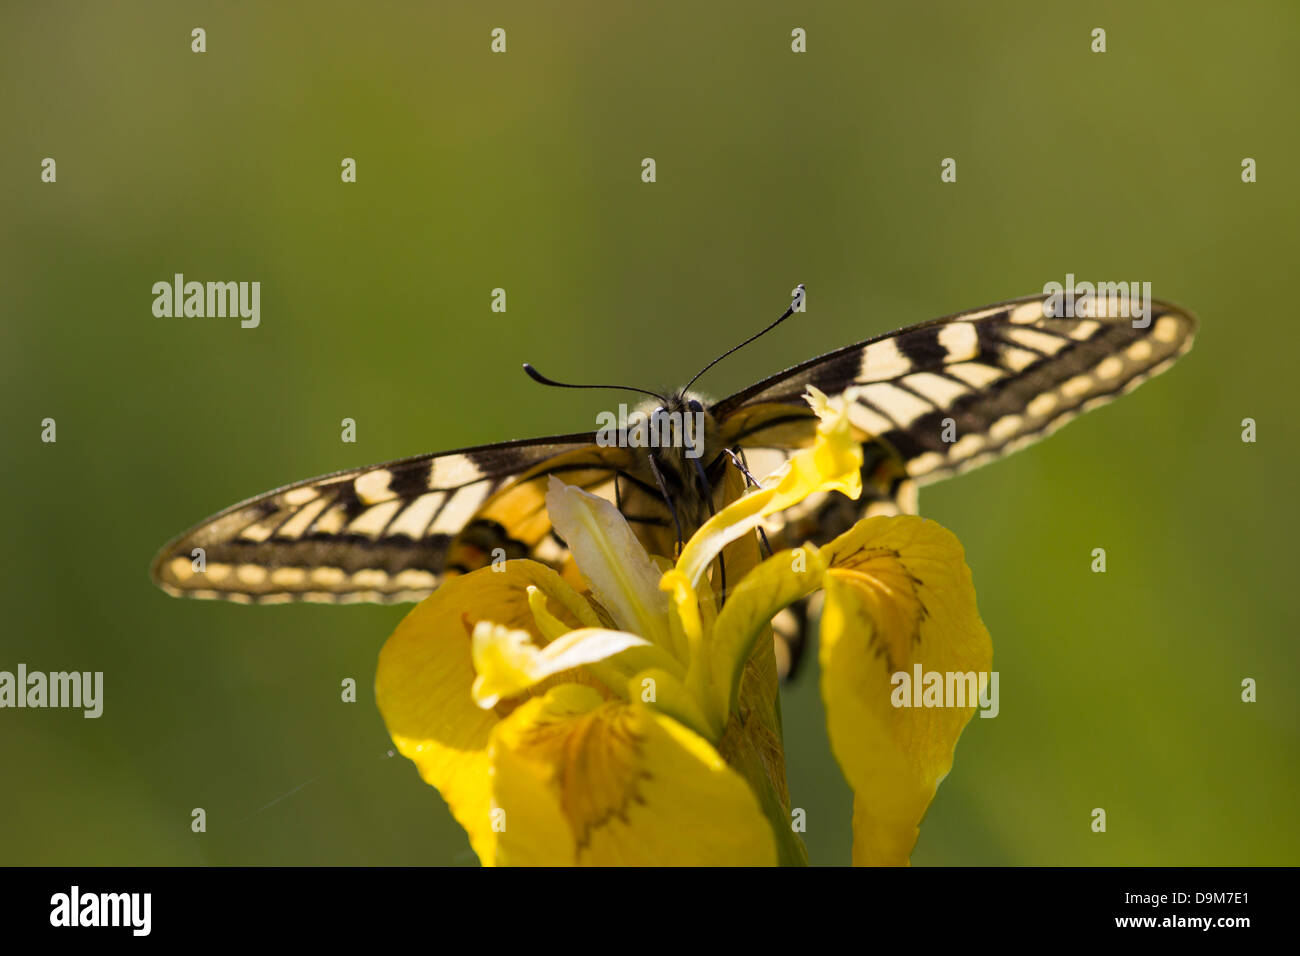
column 522, row 171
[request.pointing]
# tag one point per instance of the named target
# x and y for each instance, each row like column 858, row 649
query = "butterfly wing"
column 928, row 401
column 388, row 532
column 945, row 396
column 1006, row 376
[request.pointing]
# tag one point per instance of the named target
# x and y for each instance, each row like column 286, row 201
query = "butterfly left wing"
column 389, row 532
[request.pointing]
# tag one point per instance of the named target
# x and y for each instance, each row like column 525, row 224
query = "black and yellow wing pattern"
column 940, row 398
column 928, row 401
column 386, row 533
column 949, row 395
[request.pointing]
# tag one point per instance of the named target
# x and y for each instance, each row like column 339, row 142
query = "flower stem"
column 747, row 762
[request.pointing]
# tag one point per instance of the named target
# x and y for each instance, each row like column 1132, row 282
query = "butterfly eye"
column 659, row 412
column 695, row 406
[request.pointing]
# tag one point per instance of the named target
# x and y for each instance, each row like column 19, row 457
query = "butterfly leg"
column 739, row 462
column 708, row 497
column 704, row 485
column 663, row 490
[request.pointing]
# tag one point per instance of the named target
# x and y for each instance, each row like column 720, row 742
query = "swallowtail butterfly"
column 929, row 401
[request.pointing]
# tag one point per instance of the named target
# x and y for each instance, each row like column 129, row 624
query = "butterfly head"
column 680, row 424
column 682, row 445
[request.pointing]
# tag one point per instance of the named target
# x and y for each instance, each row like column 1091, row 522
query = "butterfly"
column 926, row 402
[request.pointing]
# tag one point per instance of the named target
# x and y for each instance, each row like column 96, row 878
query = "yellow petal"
column 585, row 781
column 508, row 663
column 667, row 693
column 531, row 827
column 611, row 672
column 746, row 618
column 898, row 594
column 623, row 578
column 425, row 672
column 833, row 463
column 422, row 687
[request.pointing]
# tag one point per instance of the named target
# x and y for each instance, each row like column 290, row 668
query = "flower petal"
column 623, row 578
column 898, row 594
column 508, row 663
column 422, row 688
column 586, row 781
column 776, row 583
column 665, row 692
column 425, row 672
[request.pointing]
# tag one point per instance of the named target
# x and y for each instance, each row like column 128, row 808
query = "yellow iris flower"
column 627, row 715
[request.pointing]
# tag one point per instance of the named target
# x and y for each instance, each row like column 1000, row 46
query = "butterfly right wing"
column 385, row 533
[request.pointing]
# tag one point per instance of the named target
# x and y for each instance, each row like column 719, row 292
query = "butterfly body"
column 926, row 401
column 684, row 459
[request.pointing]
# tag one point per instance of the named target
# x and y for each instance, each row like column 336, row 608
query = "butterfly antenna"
column 537, row 376
column 794, row 307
